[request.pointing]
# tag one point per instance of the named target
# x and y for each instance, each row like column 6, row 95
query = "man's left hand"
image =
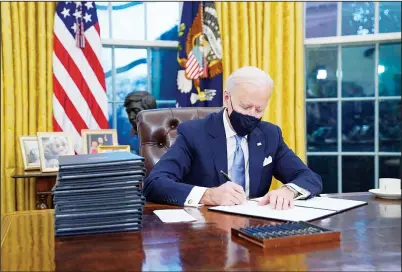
column 280, row 199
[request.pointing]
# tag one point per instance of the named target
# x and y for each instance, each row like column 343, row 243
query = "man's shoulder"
column 196, row 125
column 268, row 127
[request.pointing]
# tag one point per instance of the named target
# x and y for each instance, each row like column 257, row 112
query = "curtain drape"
column 26, row 91
column 269, row 35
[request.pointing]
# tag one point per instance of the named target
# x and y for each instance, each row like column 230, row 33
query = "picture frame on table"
column 30, row 152
column 113, row 148
column 93, row 138
column 51, row 146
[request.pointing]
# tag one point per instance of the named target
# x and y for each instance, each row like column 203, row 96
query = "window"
column 353, row 92
column 139, row 54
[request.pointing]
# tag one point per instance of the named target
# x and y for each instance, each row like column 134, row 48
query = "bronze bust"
column 136, row 102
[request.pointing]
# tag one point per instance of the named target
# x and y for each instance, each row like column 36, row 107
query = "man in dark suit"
column 237, row 142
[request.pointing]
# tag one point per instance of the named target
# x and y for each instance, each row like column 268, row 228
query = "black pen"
column 226, row 176
column 228, row 179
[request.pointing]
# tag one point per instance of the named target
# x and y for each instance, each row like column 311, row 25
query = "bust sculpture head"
column 136, row 102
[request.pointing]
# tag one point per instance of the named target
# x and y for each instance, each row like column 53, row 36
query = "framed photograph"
column 92, row 139
column 51, row 146
column 113, row 148
column 30, row 152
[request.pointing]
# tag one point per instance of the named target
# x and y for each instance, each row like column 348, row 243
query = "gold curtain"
column 269, row 35
column 26, row 91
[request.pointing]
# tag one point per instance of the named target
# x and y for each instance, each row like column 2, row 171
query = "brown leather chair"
column 157, row 130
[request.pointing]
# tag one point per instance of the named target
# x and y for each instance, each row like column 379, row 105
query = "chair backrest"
column 157, row 130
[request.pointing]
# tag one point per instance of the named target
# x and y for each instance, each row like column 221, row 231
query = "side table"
column 44, row 184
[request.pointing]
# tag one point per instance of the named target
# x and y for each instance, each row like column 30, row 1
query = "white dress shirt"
column 194, row 197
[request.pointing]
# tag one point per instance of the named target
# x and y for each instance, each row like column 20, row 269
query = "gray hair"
column 248, row 74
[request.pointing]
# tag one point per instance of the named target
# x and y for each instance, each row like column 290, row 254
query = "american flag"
column 79, row 99
column 194, row 65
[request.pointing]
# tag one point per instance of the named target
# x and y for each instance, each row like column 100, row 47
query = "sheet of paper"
column 251, row 208
column 328, row 203
column 174, row 216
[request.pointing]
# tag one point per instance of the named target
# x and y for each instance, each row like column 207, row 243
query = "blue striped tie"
column 238, row 171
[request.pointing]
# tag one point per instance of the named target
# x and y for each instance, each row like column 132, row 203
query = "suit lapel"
column 256, row 147
column 218, row 145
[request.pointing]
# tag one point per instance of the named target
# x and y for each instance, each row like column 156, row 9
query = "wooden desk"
column 371, row 240
column 44, row 183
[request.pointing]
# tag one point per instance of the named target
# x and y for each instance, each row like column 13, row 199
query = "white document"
column 327, row 203
column 295, row 214
column 174, row 216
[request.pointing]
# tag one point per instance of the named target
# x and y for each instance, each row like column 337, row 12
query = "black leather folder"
column 98, row 160
column 98, row 196
column 60, row 209
column 97, row 213
column 93, row 185
column 85, row 175
column 96, row 191
column 129, row 198
column 99, row 227
column 99, row 231
column 95, row 221
column 93, row 180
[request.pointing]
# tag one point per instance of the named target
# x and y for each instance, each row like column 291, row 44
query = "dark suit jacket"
column 200, row 153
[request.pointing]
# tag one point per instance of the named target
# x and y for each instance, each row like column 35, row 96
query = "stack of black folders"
column 286, row 234
column 99, row 193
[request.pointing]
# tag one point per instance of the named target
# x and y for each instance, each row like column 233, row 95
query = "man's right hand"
column 227, row 194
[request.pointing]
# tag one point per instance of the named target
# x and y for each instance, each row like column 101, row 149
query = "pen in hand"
column 226, row 176
column 228, row 179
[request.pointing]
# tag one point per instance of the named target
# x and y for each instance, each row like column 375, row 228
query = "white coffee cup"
column 390, row 185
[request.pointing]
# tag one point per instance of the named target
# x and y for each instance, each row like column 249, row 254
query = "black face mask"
column 241, row 123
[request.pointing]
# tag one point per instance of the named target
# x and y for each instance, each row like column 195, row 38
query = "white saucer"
column 385, row 195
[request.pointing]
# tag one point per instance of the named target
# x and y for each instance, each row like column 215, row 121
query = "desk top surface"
column 21, row 173
column 370, row 240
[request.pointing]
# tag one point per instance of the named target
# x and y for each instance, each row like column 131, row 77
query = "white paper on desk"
column 174, row 216
column 328, row 203
column 251, row 208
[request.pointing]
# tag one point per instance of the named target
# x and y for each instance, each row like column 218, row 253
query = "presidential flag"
column 199, row 79
column 79, row 99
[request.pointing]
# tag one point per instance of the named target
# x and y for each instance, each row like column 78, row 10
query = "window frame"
column 356, row 40
column 134, row 44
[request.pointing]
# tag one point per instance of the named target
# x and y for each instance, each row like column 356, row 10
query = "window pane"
column 390, row 125
column 128, row 20
column 131, row 71
column 107, row 68
column 321, row 19
column 358, row 71
column 167, row 14
column 357, row 173
column 103, row 17
column 321, row 66
column 164, row 81
column 390, row 167
column 125, row 129
column 389, row 69
column 358, row 126
column 390, row 17
column 322, row 126
column 357, row 18
column 327, row 168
